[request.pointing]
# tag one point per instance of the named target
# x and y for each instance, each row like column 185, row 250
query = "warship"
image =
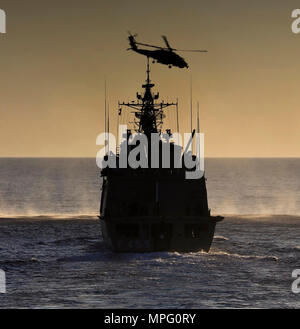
column 154, row 209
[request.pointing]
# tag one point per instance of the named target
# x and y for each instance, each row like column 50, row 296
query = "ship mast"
column 149, row 114
column 148, row 119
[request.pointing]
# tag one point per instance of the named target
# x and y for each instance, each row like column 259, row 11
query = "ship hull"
column 156, row 234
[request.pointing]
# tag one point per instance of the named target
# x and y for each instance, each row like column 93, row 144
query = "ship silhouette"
column 154, row 209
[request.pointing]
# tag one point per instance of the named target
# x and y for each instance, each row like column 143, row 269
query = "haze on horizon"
column 55, row 56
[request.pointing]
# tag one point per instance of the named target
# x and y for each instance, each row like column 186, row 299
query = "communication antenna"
column 108, row 126
column 105, row 103
column 106, row 119
column 118, row 123
column 198, row 131
column 198, row 123
column 191, row 104
column 177, row 118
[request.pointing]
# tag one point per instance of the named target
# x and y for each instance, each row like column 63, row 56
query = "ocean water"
column 53, row 255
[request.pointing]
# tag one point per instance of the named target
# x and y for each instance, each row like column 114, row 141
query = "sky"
column 56, row 54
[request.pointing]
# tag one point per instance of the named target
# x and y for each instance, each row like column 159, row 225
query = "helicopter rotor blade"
column 132, row 35
column 192, row 50
column 167, row 42
column 147, row 45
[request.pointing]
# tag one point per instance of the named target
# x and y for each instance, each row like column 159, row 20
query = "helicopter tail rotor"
column 132, row 41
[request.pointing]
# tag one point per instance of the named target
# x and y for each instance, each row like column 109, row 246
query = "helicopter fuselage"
column 162, row 56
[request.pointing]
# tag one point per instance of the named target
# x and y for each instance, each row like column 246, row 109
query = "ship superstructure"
column 154, row 209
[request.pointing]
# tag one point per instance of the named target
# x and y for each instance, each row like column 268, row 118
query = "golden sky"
column 55, row 56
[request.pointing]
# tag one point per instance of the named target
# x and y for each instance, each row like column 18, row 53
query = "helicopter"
column 163, row 55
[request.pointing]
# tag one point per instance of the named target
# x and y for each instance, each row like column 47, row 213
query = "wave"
column 235, row 255
column 72, row 240
column 19, row 262
column 162, row 257
column 295, row 249
column 221, row 238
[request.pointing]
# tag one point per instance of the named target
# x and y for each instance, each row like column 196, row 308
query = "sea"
column 53, row 256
